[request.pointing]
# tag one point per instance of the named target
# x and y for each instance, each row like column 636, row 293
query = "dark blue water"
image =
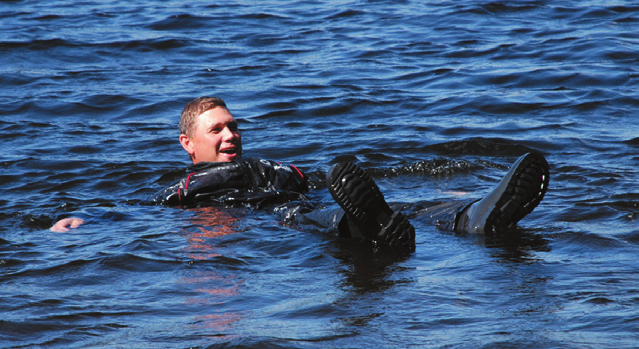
column 434, row 98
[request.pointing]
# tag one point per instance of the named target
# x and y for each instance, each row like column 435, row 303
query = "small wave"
column 181, row 22
column 62, row 267
column 145, row 45
column 633, row 142
column 580, row 242
column 500, row 7
column 481, row 146
column 346, row 14
column 136, row 263
column 261, row 16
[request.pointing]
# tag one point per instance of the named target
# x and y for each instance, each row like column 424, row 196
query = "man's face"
column 215, row 137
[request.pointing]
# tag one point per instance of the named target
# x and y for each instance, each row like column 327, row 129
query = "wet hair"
column 195, row 108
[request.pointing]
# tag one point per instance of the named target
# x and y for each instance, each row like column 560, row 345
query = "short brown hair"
column 195, row 108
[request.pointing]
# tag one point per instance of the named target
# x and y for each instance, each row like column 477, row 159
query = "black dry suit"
column 249, row 181
column 259, row 183
column 256, row 183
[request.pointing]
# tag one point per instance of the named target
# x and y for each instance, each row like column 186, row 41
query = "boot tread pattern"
column 356, row 192
column 524, row 192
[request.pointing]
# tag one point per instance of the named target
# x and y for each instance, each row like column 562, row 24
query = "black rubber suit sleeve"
column 246, row 179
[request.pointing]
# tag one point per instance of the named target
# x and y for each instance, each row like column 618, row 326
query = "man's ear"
column 186, row 144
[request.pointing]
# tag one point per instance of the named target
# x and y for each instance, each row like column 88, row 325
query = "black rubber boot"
column 516, row 195
column 366, row 210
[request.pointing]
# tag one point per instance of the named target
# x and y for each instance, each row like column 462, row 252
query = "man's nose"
column 228, row 134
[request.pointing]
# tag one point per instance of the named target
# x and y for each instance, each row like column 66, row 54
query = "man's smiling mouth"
column 228, row 150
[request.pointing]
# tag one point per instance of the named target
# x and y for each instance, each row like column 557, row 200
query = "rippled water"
column 434, row 98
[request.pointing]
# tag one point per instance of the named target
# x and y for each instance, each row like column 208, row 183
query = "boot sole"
column 522, row 189
column 356, row 192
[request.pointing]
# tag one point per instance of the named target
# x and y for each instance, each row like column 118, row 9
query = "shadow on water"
column 516, row 245
column 368, row 268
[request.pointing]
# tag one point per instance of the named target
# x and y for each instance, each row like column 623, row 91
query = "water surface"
column 434, row 98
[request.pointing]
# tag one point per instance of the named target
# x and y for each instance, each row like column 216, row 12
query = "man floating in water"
column 219, row 175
